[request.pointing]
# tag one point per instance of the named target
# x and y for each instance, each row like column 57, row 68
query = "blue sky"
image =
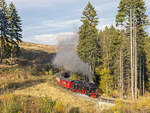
column 49, row 21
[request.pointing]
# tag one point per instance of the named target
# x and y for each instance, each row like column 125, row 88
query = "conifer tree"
column 14, row 23
column 3, row 33
column 10, row 30
column 88, row 48
column 14, row 29
column 123, row 18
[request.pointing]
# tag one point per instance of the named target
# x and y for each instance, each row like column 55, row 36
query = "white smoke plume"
column 68, row 58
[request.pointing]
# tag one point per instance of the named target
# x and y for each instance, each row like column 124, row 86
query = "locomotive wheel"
column 73, row 87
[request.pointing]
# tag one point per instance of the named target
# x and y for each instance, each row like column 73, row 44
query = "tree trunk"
column 121, row 75
column 135, row 53
column 91, row 77
column 140, row 76
column 143, row 78
column 1, row 54
column 122, row 78
column 11, row 56
column 131, row 42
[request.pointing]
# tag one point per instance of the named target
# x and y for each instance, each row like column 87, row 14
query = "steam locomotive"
column 78, row 86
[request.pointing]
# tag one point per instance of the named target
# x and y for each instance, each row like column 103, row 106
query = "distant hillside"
column 37, row 53
column 34, row 59
column 42, row 47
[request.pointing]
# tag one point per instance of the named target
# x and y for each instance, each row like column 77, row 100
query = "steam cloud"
column 68, row 58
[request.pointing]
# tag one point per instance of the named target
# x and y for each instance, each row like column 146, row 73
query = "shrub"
column 74, row 110
column 47, row 105
column 50, row 72
column 59, row 107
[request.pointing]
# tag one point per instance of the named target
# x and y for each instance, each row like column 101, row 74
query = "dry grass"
column 36, row 88
column 35, row 59
column 11, row 85
column 57, row 93
column 140, row 106
column 40, row 47
column 27, row 104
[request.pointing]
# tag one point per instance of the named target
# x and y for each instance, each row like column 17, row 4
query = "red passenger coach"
column 62, row 79
column 65, row 83
column 78, row 86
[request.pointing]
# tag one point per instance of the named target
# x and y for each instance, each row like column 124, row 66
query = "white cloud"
column 53, row 25
column 51, row 39
column 147, row 3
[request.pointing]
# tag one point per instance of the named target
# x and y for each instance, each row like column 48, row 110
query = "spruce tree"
column 123, row 18
column 14, row 29
column 4, row 29
column 10, row 30
column 3, row 33
column 88, row 48
column 14, row 23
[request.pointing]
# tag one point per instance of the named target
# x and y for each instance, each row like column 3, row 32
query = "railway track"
column 101, row 99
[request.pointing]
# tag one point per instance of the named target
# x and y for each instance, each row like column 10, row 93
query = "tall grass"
column 139, row 106
column 17, row 104
column 10, row 104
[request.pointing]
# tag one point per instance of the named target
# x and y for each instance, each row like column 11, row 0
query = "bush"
column 50, row 72
column 74, row 110
column 59, row 107
column 47, row 105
